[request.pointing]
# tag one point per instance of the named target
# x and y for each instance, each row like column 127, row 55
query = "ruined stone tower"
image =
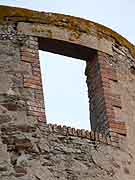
column 31, row 149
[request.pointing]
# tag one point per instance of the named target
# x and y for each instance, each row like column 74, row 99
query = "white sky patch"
column 65, row 90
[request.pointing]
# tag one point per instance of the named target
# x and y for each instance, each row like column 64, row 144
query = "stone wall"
column 124, row 63
column 43, row 152
column 31, row 149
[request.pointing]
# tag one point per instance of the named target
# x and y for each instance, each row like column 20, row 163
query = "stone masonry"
column 32, row 149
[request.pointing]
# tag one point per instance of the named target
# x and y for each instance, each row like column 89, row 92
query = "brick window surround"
column 99, row 73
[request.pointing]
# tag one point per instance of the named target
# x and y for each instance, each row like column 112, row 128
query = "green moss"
column 72, row 23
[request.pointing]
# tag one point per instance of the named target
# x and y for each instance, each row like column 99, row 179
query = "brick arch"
column 73, row 37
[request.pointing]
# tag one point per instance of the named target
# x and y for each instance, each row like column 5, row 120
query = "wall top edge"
column 76, row 24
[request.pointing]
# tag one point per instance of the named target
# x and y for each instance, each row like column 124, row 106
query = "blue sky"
column 68, row 104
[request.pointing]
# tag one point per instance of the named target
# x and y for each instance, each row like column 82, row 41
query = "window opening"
column 65, row 90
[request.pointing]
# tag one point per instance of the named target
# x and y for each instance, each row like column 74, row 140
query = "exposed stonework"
column 31, row 149
column 38, row 152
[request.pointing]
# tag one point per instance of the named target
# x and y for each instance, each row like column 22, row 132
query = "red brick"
column 119, row 131
column 32, row 81
column 117, row 125
column 33, row 86
column 28, row 59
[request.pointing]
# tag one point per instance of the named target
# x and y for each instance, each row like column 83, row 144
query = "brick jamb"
column 100, row 74
column 30, row 55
